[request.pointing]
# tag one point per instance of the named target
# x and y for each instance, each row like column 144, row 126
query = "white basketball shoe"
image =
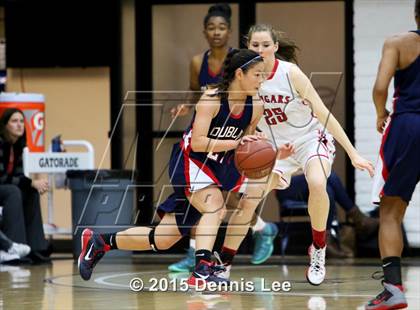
column 316, row 270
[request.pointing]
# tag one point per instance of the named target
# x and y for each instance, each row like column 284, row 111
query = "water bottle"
column 56, row 144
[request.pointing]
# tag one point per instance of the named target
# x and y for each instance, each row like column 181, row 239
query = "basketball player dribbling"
column 205, row 71
column 290, row 103
column 398, row 168
column 201, row 166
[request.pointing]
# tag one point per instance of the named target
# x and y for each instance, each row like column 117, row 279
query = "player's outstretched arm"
column 306, row 90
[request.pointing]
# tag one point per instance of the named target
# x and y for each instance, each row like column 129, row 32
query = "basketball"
column 255, row 159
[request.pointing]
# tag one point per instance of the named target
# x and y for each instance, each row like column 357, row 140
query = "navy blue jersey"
column 407, row 88
column 207, row 77
column 224, row 126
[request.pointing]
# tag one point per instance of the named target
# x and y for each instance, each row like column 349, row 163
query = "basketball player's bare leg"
column 166, row 234
column 216, row 210
column 187, row 263
column 241, row 219
column 210, row 203
column 316, row 173
column 391, row 213
column 263, row 233
column 94, row 245
column 392, row 210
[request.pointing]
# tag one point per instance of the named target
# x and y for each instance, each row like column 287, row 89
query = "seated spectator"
column 19, row 195
column 364, row 225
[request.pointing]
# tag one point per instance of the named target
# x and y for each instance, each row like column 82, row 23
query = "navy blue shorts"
column 398, row 168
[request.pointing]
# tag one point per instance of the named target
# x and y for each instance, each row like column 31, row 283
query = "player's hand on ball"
column 249, row 138
column 180, row 110
column 261, row 135
column 363, row 164
column 285, row 151
column 381, row 121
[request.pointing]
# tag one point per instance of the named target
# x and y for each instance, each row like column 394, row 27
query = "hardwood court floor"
column 58, row 286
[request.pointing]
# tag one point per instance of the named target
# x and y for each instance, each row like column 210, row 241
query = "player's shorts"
column 398, row 168
column 188, row 175
column 315, row 145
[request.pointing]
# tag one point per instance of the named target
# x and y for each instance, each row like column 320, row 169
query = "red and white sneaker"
column 315, row 273
column 203, row 274
column 93, row 249
column 220, row 269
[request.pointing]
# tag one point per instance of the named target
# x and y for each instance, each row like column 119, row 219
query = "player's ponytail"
column 242, row 59
column 287, row 48
column 227, row 75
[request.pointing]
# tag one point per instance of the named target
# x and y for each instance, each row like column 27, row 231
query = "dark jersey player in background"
column 398, row 170
column 206, row 68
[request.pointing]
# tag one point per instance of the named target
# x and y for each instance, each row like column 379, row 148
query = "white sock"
column 192, row 243
column 259, row 225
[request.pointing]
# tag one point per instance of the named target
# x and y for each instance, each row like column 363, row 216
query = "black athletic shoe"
column 93, row 249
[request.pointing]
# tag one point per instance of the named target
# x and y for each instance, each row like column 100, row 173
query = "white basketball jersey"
column 286, row 116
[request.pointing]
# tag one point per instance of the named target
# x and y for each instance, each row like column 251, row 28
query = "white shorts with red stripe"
column 313, row 146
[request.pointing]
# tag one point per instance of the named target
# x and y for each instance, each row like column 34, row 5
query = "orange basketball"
column 255, row 159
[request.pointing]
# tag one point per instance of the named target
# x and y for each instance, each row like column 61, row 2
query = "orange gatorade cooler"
column 33, row 107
